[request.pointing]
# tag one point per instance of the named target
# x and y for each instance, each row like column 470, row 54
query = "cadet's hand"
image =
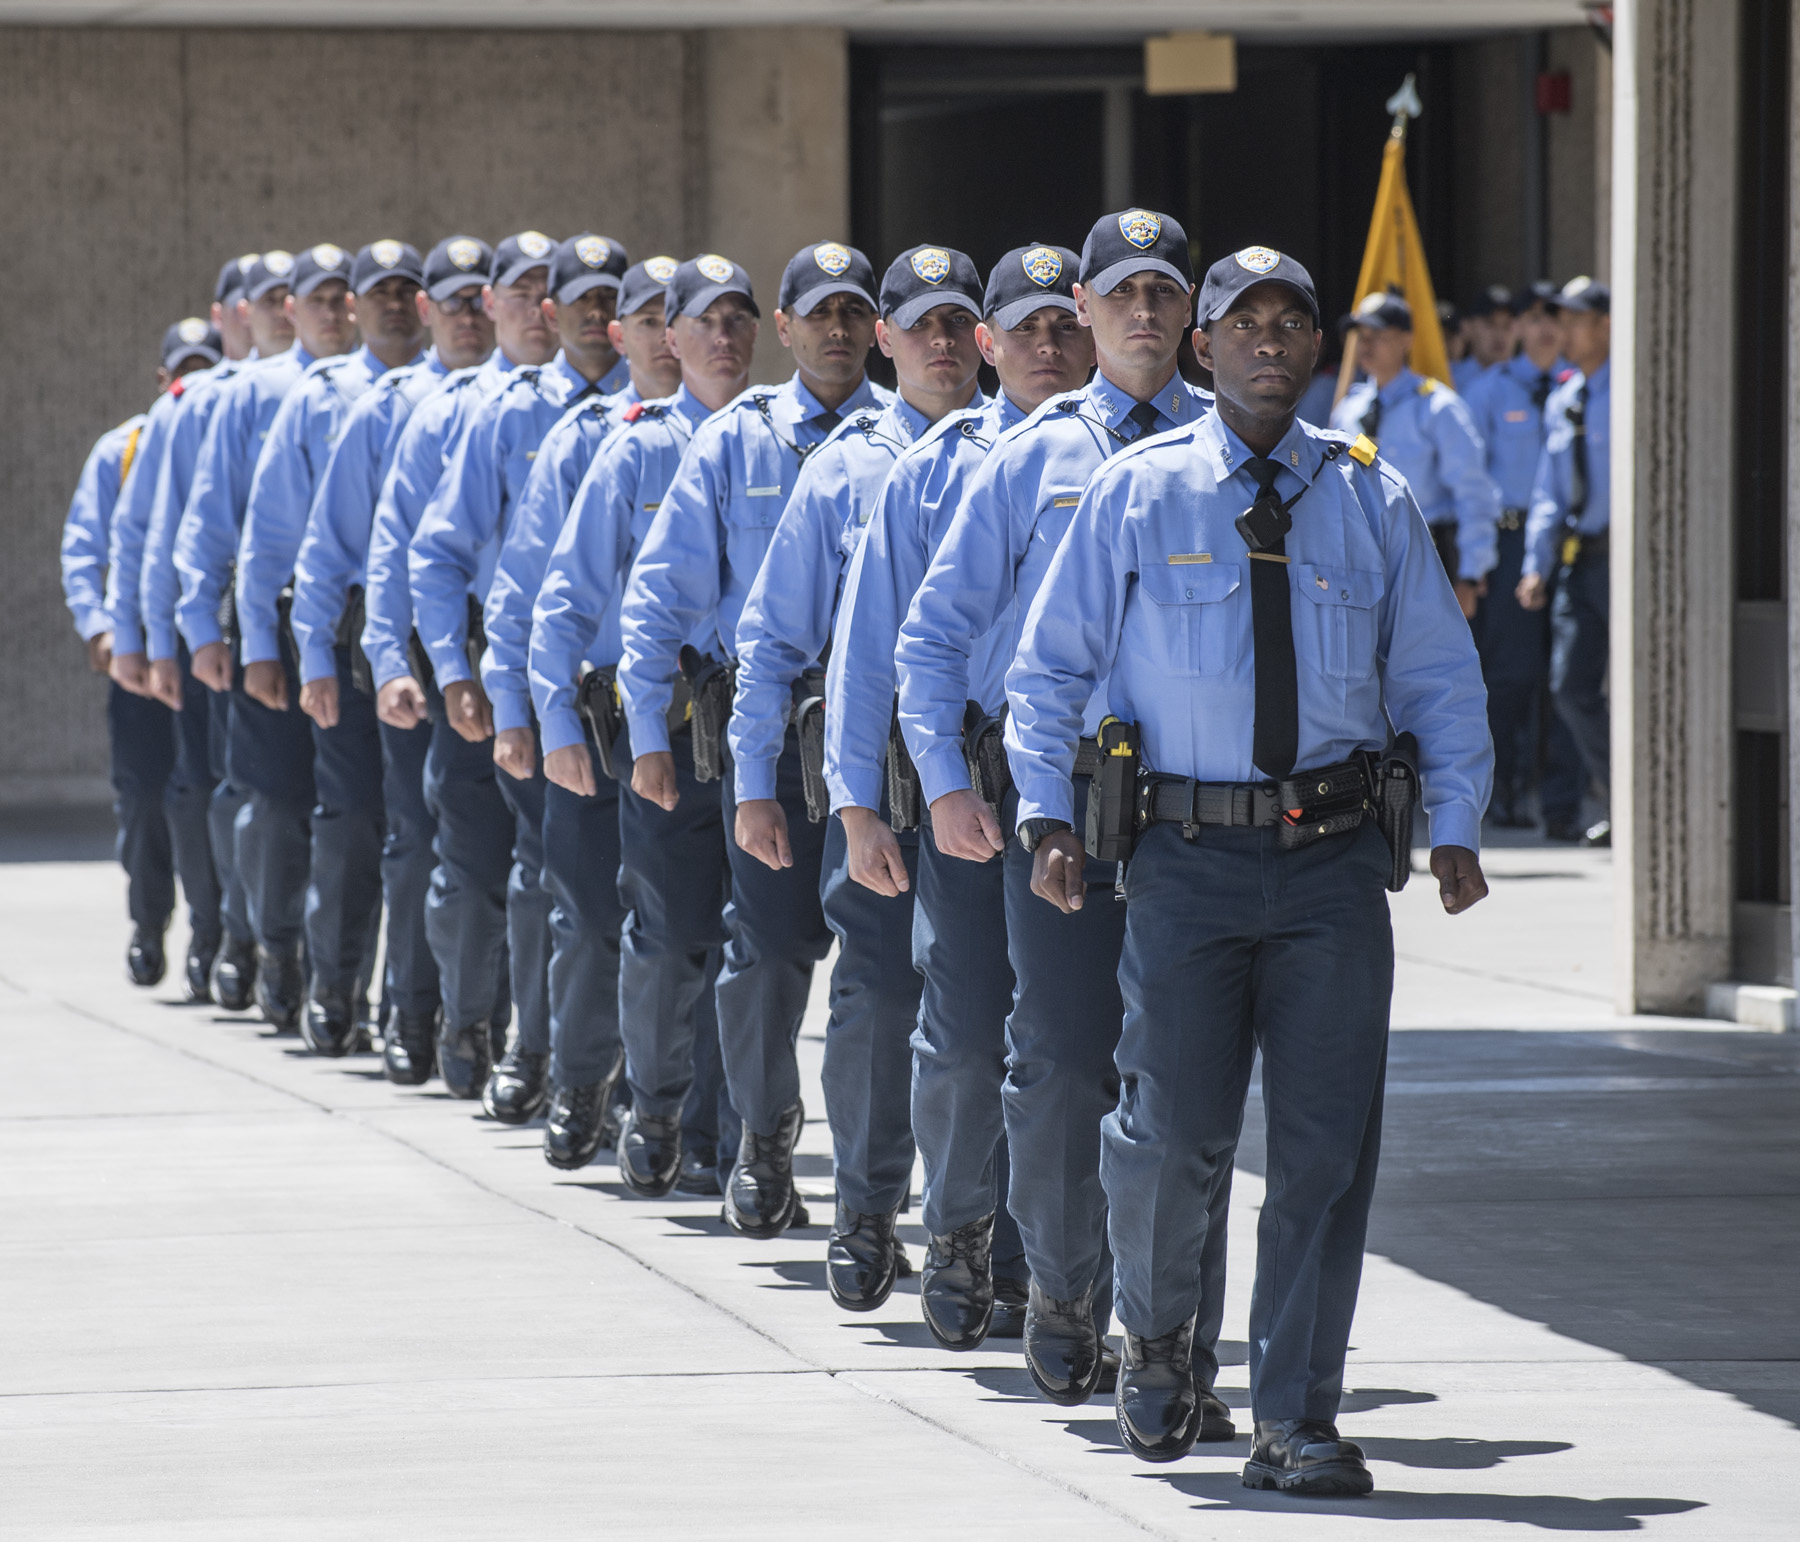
column 875, row 860
column 319, row 700
column 266, row 681
column 130, row 672
column 1468, row 593
column 165, row 683
column 1533, row 593
column 964, row 826
column 762, row 831
column 570, row 768
column 1458, row 872
column 467, row 707
column 401, row 703
column 212, row 666
column 653, row 779
column 100, row 652
column 515, row 753
column 1056, row 871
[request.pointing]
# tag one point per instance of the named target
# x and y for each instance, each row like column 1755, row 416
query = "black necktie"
column 1540, row 393
column 1371, row 420
column 1578, row 468
column 1277, row 735
column 1144, row 415
column 828, row 421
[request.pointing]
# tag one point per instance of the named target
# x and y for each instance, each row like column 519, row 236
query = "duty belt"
column 1512, row 519
column 1087, row 758
column 1584, row 548
column 1181, row 801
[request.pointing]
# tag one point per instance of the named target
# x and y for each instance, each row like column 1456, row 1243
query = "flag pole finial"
column 1404, row 104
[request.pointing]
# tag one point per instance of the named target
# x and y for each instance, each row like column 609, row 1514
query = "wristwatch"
column 1033, row 831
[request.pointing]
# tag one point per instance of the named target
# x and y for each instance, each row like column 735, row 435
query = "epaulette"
column 1363, row 449
column 1428, row 385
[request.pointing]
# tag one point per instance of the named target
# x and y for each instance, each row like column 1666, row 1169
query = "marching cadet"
column 1238, row 646
column 1569, row 531
column 1507, row 404
column 342, row 902
column 329, row 579
column 692, row 575
column 465, row 911
column 1490, row 325
column 269, row 747
column 974, row 1283
column 581, row 833
column 672, row 875
column 929, row 307
column 1426, row 434
column 451, row 561
column 1134, row 292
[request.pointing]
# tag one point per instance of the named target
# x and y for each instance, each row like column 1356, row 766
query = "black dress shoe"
column 280, row 987
column 1598, row 834
column 1215, row 1418
column 1305, row 1456
column 861, row 1259
column 1009, row 1308
column 234, row 975
column 760, row 1200
column 650, row 1153
column 409, row 1048
column 1062, row 1346
column 1109, row 1371
column 1563, row 830
column 517, row 1087
column 197, row 974
column 1158, row 1404
column 145, row 961
column 328, row 1027
column 699, row 1170
column 956, row 1293
column 572, row 1125
column 462, row 1057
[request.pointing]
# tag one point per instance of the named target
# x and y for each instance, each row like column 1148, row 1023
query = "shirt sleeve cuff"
column 128, row 637
column 857, row 788
column 755, row 779
column 93, row 622
column 942, row 771
column 1046, row 797
column 317, row 661
column 261, row 645
column 559, row 728
column 159, row 642
column 449, row 667
column 202, row 634
column 649, row 733
column 511, row 710
column 1457, row 825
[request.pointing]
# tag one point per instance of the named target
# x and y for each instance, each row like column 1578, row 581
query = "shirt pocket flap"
column 1191, row 583
column 1340, row 586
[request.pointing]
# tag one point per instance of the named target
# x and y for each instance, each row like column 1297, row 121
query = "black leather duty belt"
column 1180, row 801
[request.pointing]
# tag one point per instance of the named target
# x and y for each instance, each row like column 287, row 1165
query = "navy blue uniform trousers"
column 528, row 906
column 271, row 761
column 406, row 863
column 222, row 810
column 343, row 894
column 1233, row 945
column 581, row 876
column 142, row 741
column 189, row 802
column 1580, row 619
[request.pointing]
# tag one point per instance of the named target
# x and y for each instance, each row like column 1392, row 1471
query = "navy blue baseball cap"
column 1585, row 294
column 1027, row 279
column 383, row 260
column 1230, row 276
column 1540, row 291
column 924, row 277
column 518, row 255
column 643, row 282
column 191, row 339
column 585, row 262
column 318, row 265
column 1492, row 301
column 701, row 280
column 1134, row 241
column 1381, row 312
column 271, row 270
column 230, row 283
column 827, row 268
column 455, row 263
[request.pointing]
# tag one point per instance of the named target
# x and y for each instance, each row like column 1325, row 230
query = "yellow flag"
column 1394, row 260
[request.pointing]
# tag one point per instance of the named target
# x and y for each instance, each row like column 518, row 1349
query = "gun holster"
column 904, row 797
column 711, row 686
column 475, row 638
column 284, row 626
column 597, row 700
column 1394, row 794
column 984, row 753
column 229, row 633
column 419, row 661
column 1112, row 802
column 809, row 728
column 349, row 635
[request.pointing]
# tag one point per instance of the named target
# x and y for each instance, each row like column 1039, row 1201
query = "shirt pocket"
column 1199, row 609
column 758, row 498
column 1342, row 616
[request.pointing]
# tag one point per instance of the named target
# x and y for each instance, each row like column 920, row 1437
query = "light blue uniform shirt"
column 576, row 615
column 159, row 586
column 207, row 541
column 1552, row 488
column 1378, row 635
column 335, row 548
column 706, row 545
column 131, row 523
column 293, row 460
column 426, row 441
column 1427, row 434
column 453, row 551
column 1464, row 372
column 918, row 500
column 563, row 457
column 1511, row 424
column 789, row 610
column 996, row 551
column 87, row 531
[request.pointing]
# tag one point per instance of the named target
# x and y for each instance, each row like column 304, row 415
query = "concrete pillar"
column 1793, row 490
column 1674, row 132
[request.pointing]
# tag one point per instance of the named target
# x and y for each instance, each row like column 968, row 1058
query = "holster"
column 1443, row 536
column 229, row 633
column 597, row 700
column 1112, row 802
column 285, row 640
column 903, row 792
column 809, row 728
column 349, row 635
column 1394, row 795
column 984, row 753
column 419, row 661
column 1324, row 802
column 711, row 685
column 475, row 638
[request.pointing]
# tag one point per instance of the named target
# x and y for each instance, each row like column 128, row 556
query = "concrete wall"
column 138, row 160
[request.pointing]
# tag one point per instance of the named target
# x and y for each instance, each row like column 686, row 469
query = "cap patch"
column 387, row 253
column 465, row 253
column 1140, row 227
column 328, row 256
column 279, row 264
column 1257, row 259
column 593, row 250
column 714, row 267
column 832, row 258
column 1042, row 266
column 193, row 330
column 534, row 243
column 1371, row 303
column 662, row 269
column 1576, row 286
column 931, row 263
column 248, row 261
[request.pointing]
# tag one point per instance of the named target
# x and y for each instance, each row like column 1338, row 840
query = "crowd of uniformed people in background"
column 484, row 591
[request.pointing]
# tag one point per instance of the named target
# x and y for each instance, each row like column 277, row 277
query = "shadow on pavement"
column 57, row 833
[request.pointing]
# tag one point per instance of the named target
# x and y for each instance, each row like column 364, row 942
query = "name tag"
column 1182, row 558
column 651, row 508
column 1068, row 502
column 1520, row 416
column 762, row 492
column 531, row 455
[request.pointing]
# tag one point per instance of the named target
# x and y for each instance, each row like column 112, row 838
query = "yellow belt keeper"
column 1571, row 549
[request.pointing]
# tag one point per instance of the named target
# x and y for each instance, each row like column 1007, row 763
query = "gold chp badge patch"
column 662, row 269
column 931, row 263
column 1042, row 266
column 832, row 258
column 1140, row 227
column 1257, row 259
column 593, row 250
column 714, row 267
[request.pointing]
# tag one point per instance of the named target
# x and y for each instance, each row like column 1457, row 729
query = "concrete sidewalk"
column 246, row 1293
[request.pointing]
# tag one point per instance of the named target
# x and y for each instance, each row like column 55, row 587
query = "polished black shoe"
column 1009, row 1308
column 956, row 1293
column 1305, row 1456
column 145, row 961
column 1598, row 834
column 197, row 973
column 1062, row 1346
column 649, row 1153
column 409, row 1048
column 862, row 1259
column 462, row 1057
column 516, row 1087
column 1568, row 831
column 1109, row 1371
column 280, row 988
column 328, row 1027
column 699, row 1170
column 234, row 976
column 1215, row 1418
column 1158, row 1401
column 572, row 1125
column 760, row 1200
